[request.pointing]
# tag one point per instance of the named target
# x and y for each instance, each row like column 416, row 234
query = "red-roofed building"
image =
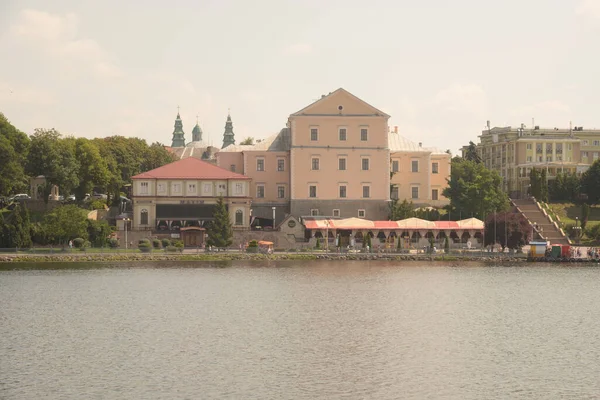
column 184, row 193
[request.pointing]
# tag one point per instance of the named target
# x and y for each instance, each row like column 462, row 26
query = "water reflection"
column 296, row 330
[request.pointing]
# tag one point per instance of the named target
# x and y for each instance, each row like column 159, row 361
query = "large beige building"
column 334, row 159
column 514, row 152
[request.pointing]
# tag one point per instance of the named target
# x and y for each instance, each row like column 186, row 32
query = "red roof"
column 189, row 168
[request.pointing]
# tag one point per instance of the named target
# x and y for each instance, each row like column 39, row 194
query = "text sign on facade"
column 192, row 202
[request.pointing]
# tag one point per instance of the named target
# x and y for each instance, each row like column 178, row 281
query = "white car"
column 20, row 196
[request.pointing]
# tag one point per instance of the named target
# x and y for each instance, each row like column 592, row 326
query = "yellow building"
column 514, row 152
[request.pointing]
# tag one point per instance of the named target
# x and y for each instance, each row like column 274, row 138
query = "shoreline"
column 140, row 257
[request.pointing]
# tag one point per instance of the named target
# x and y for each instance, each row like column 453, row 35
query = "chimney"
column 396, row 129
column 420, row 144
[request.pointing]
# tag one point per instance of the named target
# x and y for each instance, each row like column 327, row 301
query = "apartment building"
column 514, row 152
column 419, row 174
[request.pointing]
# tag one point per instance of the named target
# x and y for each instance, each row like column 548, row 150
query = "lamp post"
column 577, row 229
column 273, row 208
column 125, row 221
column 326, row 235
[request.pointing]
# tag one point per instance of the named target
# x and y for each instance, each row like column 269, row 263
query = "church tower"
column 228, row 136
column 197, row 132
column 178, row 135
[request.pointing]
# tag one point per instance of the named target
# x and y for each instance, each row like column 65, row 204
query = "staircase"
column 546, row 228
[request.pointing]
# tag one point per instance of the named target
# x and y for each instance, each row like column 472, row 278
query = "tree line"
column 76, row 165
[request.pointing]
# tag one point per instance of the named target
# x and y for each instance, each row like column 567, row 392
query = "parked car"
column 18, row 197
column 71, row 197
column 100, row 196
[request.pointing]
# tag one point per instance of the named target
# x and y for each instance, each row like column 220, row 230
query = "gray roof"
column 399, row 143
column 277, row 142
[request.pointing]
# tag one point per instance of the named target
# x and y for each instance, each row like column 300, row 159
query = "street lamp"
column 326, row 236
column 273, row 208
column 125, row 221
column 577, row 229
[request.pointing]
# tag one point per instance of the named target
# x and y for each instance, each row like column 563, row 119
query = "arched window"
column 239, row 217
column 144, row 217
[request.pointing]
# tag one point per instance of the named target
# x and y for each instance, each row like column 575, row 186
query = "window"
column 144, row 217
column 528, row 146
column 144, row 188
column 538, row 148
column 415, row 165
column 280, row 192
column 540, row 159
column 434, row 194
column 595, row 155
column 315, row 164
column 548, row 158
column 584, row 154
column 312, row 191
column 596, row 142
column 548, row 147
column 314, row 212
column 394, row 194
column 364, row 134
column 207, row 188
column 260, row 191
column 366, row 192
column 559, row 148
column 342, row 191
column 280, row 164
column 176, row 188
column 239, row 217
column 161, row 188
column 361, row 213
column 395, row 166
column 336, row 212
column 415, row 192
column 260, row 164
column 342, row 134
column 191, row 188
column 314, row 134
column 365, row 164
column 232, row 167
column 239, row 188
column 435, row 168
column 569, row 146
column 529, row 158
column 342, row 164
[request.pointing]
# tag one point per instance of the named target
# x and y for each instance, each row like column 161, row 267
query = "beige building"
column 514, row 152
column 267, row 163
column 184, row 193
column 419, row 173
column 339, row 159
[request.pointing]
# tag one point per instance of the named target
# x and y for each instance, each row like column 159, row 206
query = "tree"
column 220, row 229
column 590, row 183
column 470, row 153
column 474, row 190
column 508, row 229
column 585, row 214
column 401, row 210
column 65, row 223
column 247, row 141
column 156, row 156
column 93, row 169
column 98, row 233
column 544, row 186
column 14, row 146
column 22, row 227
column 535, row 183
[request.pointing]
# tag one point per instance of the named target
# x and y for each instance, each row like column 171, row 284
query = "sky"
column 440, row 68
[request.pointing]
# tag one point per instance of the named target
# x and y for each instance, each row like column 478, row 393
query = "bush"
column 292, row 250
column 145, row 247
column 144, row 242
column 78, row 243
column 171, row 249
column 165, row 243
column 113, row 243
column 97, row 204
column 253, row 243
column 86, row 245
column 156, row 244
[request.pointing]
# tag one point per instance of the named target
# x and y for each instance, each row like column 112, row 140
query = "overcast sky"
column 440, row 68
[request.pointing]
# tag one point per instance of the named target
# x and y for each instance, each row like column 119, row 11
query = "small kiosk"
column 538, row 249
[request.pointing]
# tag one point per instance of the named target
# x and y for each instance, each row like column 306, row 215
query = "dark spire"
column 178, row 135
column 228, row 136
column 197, row 132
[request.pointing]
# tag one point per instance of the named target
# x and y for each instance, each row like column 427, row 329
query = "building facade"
column 184, row 194
column 339, row 159
column 514, row 152
column 419, row 174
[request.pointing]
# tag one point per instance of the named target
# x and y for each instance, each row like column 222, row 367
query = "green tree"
column 399, row 210
column 544, row 186
column 98, row 233
column 585, row 214
column 470, row 153
column 220, row 230
column 508, row 229
column 590, row 183
column 65, row 223
column 14, row 146
column 93, row 169
column 22, row 227
column 474, row 190
column 156, row 156
column 535, row 184
column 247, row 141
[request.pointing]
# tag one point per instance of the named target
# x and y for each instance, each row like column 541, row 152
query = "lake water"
column 300, row 330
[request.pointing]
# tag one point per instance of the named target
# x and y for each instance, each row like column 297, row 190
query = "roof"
column 398, row 143
column 340, row 90
column 278, row 142
column 190, row 168
column 405, row 224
